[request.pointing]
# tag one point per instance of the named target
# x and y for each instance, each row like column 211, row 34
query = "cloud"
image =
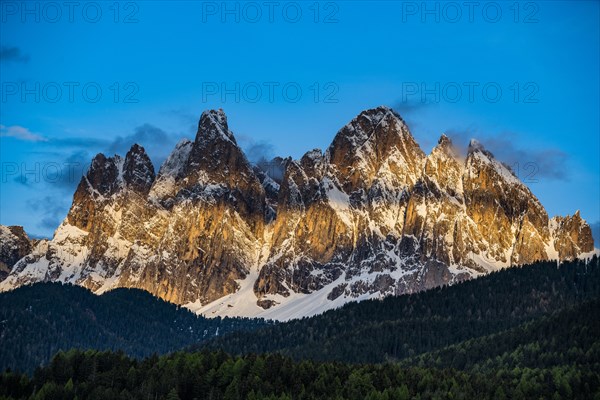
column 22, row 180
column 596, row 233
column 51, row 210
column 186, row 117
column 79, row 142
column 410, row 107
column 411, row 111
column 259, row 151
column 532, row 163
column 73, row 168
column 157, row 143
column 12, row 54
column 21, row 133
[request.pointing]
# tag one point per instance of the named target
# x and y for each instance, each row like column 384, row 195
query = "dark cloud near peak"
column 157, row 143
column 410, row 107
column 596, row 233
column 12, row 54
column 190, row 120
column 260, row 151
column 533, row 163
column 51, row 210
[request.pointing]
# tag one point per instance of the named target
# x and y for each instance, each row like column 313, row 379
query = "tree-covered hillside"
column 569, row 370
column 569, row 337
column 399, row 327
column 39, row 320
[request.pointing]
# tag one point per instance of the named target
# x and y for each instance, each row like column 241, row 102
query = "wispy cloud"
column 21, row 133
column 11, row 53
column 596, row 233
column 260, row 151
column 51, row 210
column 74, row 156
column 409, row 107
column 548, row 163
column 157, row 143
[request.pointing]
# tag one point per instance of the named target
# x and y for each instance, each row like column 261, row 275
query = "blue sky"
column 523, row 79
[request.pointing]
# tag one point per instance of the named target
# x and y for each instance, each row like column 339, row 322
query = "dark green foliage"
column 204, row 375
column 399, row 327
column 568, row 337
column 39, row 320
column 521, row 333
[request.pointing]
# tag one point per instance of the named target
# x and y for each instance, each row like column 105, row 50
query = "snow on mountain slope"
column 372, row 216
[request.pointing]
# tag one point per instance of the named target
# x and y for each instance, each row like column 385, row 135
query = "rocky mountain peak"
column 444, row 167
column 380, row 121
column 105, row 174
column 313, row 163
column 476, row 147
column 446, row 146
column 572, row 234
column 176, row 161
column 213, row 127
column 138, row 171
column 375, row 142
column 372, row 216
column 14, row 244
column 444, row 141
column 215, row 154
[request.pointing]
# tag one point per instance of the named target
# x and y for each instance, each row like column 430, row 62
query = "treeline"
column 396, row 328
column 39, row 320
column 105, row 375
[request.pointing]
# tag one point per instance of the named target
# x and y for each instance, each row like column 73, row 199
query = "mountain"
column 371, row 216
column 39, row 320
column 14, row 245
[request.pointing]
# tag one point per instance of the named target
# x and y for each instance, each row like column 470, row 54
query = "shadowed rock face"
column 372, row 215
column 14, row 245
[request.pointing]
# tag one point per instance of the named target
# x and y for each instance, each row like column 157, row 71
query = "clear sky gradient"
column 522, row 78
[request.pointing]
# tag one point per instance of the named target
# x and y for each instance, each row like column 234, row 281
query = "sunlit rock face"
column 373, row 215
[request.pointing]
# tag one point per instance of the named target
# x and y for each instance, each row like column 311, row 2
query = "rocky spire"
column 138, row 171
column 572, row 235
column 104, row 174
column 14, row 245
column 369, row 142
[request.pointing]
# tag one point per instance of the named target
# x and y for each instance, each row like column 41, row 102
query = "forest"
column 39, row 320
column 399, row 327
column 555, row 357
column 522, row 333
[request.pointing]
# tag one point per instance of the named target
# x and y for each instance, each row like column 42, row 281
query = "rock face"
column 14, row 245
column 371, row 216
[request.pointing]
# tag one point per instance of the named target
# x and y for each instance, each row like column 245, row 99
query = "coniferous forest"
column 396, row 328
column 522, row 333
column 39, row 320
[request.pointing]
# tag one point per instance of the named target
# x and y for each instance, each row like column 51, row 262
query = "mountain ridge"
column 371, row 216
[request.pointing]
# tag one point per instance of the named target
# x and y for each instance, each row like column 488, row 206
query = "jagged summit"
column 377, row 114
column 176, row 161
column 444, row 140
column 14, row 245
column 446, row 146
column 138, row 171
column 373, row 143
column 361, row 128
column 213, row 126
column 371, row 216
